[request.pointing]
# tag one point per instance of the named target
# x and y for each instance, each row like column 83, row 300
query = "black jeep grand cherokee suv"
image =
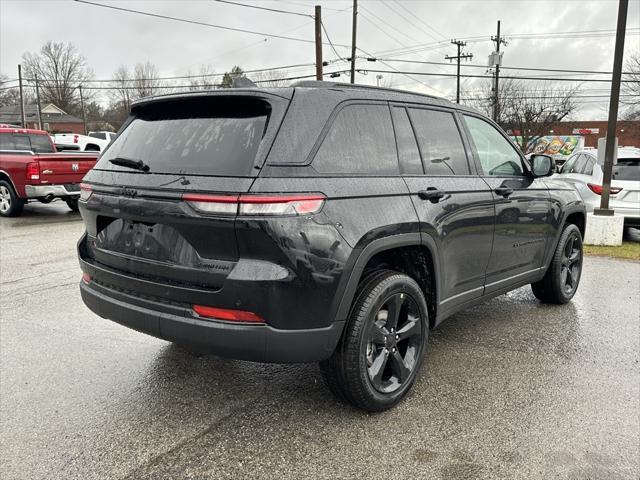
column 322, row 222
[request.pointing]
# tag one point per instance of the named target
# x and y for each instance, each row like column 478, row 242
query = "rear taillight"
column 85, row 192
column 597, row 189
column 86, row 278
column 225, row 314
column 302, row 204
column 33, row 171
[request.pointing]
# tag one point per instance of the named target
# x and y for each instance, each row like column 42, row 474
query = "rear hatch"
column 626, row 176
column 147, row 221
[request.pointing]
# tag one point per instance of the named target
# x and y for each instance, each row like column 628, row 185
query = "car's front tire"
column 10, row 204
column 561, row 281
column 382, row 348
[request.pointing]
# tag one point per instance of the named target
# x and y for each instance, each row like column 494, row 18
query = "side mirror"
column 542, row 165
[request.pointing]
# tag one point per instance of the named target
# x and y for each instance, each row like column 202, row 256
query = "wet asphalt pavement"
column 511, row 389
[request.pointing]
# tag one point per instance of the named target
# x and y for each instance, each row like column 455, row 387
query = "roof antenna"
column 243, row 82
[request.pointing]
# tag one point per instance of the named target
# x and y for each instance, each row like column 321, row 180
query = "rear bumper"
column 260, row 343
column 35, row 191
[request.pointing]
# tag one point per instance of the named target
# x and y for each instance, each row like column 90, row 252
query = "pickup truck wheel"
column 72, row 203
column 10, row 204
column 382, row 348
column 561, row 281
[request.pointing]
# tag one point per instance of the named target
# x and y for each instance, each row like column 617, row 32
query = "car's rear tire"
column 383, row 345
column 72, row 203
column 561, row 281
column 10, row 204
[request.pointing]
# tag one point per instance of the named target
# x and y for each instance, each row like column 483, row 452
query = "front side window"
column 440, row 143
column 360, row 141
column 497, row 156
column 6, row 141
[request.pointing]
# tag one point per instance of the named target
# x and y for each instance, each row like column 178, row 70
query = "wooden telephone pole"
column 318, row 22
column 459, row 57
column 354, row 26
column 498, row 41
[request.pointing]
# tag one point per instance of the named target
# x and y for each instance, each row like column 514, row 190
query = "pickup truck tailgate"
column 60, row 168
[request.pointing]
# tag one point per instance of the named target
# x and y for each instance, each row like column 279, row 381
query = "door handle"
column 432, row 194
column 504, row 191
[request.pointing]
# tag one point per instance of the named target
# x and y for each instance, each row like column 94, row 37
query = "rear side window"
column 360, row 141
column 440, row 143
column 580, row 164
column 627, row 169
column 408, row 153
column 41, row 144
column 588, row 167
column 197, row 136
column 100, row 135
column 26, row 142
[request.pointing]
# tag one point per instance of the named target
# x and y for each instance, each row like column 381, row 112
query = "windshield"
column 627, row 169
column 198, row 136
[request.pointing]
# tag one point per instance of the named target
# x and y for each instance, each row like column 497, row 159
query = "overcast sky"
column 110, row 38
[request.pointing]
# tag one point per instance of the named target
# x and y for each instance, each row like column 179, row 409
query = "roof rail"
column 325, row 84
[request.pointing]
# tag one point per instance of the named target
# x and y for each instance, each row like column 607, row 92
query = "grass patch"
column 628, row 250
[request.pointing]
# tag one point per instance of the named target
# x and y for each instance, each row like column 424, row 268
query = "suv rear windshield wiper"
column 130, row 163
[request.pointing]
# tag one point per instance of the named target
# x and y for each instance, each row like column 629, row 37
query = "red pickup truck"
column 31, row 169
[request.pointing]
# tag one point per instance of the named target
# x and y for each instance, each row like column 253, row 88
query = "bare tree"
column 146, row 81
column 229, row 77
column 271, row 78
column 206, row 79
column 60, row 68
column 528, row 108
column 631, row 88
column 9, row 95
column 121, row 93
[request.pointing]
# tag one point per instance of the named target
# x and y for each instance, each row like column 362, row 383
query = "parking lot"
column 511, row 389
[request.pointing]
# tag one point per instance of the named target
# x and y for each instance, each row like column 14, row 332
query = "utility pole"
column 496, row 62
column 84, row 120
column 353, row 41
column 38, row 102
column 613, row 111
column 318, row 21
column 22, row 119
column 459, row 57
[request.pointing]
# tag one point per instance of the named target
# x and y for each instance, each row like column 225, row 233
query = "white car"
column 584, row 172
column 83, row 143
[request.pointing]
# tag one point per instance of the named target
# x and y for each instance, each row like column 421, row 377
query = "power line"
column 592, row 72
column 408, row 20
column 514, row 77
column 195, row 22
column 330, row 42
column 419, row 19
column 185, row 77
column 275, row 10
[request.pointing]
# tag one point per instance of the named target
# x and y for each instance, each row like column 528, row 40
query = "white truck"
column 94, row 142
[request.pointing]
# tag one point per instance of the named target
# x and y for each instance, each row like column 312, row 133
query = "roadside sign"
column 585, row 131
column 602, row 143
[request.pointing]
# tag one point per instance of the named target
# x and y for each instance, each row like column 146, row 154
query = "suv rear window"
column 197, row 136
column 28, row 142
column 627, row 169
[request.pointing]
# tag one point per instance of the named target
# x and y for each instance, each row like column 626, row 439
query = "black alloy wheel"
column 395, row 342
